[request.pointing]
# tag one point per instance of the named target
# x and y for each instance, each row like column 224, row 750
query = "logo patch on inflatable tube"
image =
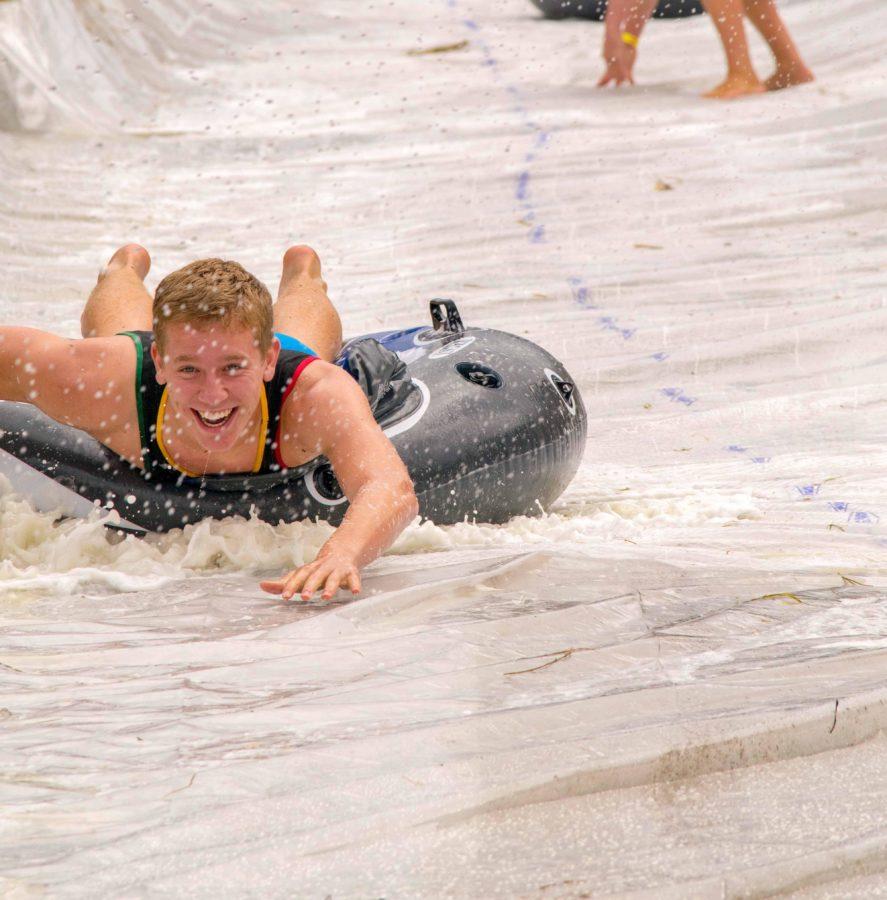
column 565, row 390
column 453, row 347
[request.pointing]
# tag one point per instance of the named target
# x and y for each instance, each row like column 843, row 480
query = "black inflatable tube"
column 597, row 9
column 489, row 425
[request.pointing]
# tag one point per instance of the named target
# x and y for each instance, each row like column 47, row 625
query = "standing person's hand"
column 620, row 58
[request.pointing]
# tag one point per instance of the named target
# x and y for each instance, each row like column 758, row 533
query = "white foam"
column 710, row 585
column 42, row 552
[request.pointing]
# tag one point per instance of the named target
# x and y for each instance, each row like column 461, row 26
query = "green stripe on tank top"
column 139, row 355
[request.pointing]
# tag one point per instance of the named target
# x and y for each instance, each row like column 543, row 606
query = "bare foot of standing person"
column 736, row 85
column 741, row 80
column 788, row 77
column 790, row 68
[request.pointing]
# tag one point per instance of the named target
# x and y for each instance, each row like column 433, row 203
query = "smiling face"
column 214, row 378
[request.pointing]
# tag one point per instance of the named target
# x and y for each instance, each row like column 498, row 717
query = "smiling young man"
column 208, row 378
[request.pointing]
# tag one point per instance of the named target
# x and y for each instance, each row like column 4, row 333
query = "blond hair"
column 212, row 292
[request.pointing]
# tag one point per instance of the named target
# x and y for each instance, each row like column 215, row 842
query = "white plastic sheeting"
column 671, row 683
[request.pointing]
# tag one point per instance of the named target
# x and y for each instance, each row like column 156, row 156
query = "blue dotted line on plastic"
column 581, row 291
column 522, row 189
column 854, row 515
column 579, row 287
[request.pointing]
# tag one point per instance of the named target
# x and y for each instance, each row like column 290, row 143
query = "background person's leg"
column 119, row 301
column 303, row 309
column 790, row 68
column 741, row 79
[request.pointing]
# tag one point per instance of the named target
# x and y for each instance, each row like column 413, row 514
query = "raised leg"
column 741, row 79
column 119, row 301
column 790, row 68
column 303, row 310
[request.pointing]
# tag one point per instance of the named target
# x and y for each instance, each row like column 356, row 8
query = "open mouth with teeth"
column 214, row 419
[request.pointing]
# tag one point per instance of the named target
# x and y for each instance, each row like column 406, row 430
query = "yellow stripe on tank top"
column 260, row 449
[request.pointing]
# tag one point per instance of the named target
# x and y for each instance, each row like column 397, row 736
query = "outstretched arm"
column 26, row 356
column 85, row 382
column 332, row 408
column 623, row 26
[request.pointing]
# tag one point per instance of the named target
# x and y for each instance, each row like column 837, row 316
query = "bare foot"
column 300, row 262
column 788, row 76
column 133, row 256
column 734, row 86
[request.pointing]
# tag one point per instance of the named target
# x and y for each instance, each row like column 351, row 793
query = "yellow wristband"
column 630, row 39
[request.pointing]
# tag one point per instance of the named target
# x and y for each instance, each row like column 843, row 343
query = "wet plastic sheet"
column 222, row 734
column 673, row 683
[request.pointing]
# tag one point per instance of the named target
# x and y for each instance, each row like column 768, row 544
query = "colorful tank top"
column 151, row 399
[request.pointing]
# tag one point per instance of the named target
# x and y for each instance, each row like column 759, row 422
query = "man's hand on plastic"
column 327, row 574
column 620, row 59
